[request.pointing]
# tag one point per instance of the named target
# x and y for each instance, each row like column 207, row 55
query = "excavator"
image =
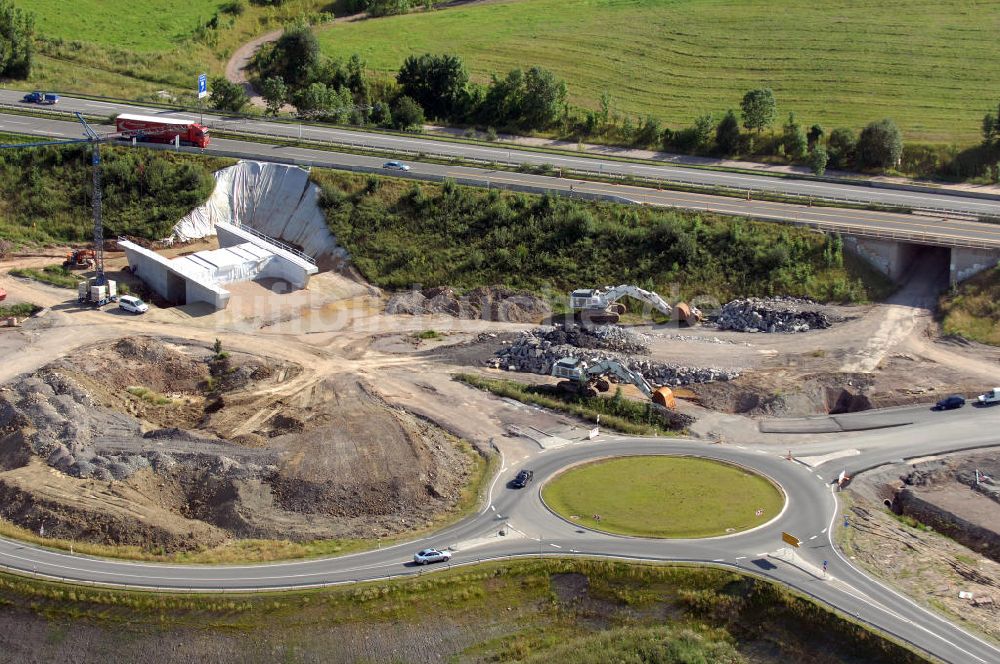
column 589, row 380
column 80, row 259
column 601, row 306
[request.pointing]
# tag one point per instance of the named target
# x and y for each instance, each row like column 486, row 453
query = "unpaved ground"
column 356, row 366
column 927, row 566
column 237, row 447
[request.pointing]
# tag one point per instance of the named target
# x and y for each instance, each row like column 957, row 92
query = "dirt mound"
column 171, row 446
column 768, row 394
column 488, row 303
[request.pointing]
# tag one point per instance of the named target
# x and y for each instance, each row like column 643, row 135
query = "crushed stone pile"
column 777, row 314
column 536, row 351
column 603, row 337
column 487, row 303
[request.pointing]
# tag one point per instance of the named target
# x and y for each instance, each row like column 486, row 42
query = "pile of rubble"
column 603, row 337
column 487, row 303
column 778, row 314
column 538, row 350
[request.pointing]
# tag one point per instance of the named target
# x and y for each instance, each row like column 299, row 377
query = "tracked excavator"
column 589, row 380
column 601, row 306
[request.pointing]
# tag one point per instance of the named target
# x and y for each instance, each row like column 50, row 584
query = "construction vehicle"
column 589, row 380
column 601, row 306
column 80, row 259
column 98, row 290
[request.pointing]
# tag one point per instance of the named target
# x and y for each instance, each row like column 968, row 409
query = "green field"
column 929, row 64
column 663, row 496
column 136, row 49
column 125, row 24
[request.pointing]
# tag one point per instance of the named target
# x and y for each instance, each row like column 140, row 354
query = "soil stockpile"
column 486, row 303
column 536, row 351
column 781, row 314
column 173, row 446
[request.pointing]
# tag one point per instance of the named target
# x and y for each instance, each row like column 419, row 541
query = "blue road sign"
column 202, row 86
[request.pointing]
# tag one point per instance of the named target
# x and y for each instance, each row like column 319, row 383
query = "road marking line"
column 761, row 554
column 743, row 557
column 556, row 546
column 822, row 532
column 813, row 537
column 719, row 560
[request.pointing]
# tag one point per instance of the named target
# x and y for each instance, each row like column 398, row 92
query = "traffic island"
column 663, row 496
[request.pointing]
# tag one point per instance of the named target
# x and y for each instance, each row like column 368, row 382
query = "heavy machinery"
column 589, row 380
column 601, row 306
column 98, row 290
column 80, row 259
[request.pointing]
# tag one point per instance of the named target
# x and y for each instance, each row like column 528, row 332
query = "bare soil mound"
column 487, row 303
column 171, row 446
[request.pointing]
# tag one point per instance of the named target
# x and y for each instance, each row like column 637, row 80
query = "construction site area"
column 270, row 393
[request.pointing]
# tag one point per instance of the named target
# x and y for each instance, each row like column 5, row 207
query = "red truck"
column 161, row 130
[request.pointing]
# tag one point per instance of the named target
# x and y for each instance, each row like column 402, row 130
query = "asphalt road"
column 917, row 228
column 810, row 514
column 500, row 154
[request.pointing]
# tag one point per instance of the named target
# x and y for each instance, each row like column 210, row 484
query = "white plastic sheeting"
column 275, row 199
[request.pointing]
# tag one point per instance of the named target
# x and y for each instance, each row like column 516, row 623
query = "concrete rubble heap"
column 487, row 303
column 778, row 314
column 536, row 351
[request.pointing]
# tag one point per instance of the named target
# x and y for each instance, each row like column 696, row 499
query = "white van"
column 132, row 304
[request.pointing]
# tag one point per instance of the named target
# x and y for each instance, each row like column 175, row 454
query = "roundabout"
column 517, row 523
column 663, row 497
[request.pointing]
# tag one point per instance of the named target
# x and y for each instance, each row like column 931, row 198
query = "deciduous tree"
column 758, row 108
column 880, row 144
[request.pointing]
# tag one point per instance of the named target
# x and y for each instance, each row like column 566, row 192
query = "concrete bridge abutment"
column 895, row 258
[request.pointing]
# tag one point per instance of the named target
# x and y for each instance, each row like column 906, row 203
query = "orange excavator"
column 80, row 259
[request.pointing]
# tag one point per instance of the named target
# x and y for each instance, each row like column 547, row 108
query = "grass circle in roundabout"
column 663, row 496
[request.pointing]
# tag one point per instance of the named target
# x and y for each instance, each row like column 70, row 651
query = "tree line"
column 426, row 87
column 432, row 87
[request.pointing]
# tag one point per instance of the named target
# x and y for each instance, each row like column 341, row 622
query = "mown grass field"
column 928, row 64
column 663, row 496
column 128, row 24
column 136, row 49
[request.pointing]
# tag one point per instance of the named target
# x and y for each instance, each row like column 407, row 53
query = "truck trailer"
column 152, row 129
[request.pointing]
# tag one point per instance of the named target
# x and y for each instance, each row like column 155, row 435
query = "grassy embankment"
column 536, row 611
column 842, row 63
column 401, row 233
column 631, row 417
column 130, row 49
column 242, row 551
column 22, row 310
column 46, row 192
column 663, row 496
column 973, row 310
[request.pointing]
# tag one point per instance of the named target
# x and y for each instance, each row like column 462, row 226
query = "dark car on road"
column 950, row 403
column 522, row 479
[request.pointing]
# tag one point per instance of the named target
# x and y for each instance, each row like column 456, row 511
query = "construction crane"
column 589, row 379
column 90, row 136
column 98, row 290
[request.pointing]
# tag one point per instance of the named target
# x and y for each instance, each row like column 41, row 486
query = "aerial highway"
column 810, row 513
column 839, row 191
column 906, row 227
